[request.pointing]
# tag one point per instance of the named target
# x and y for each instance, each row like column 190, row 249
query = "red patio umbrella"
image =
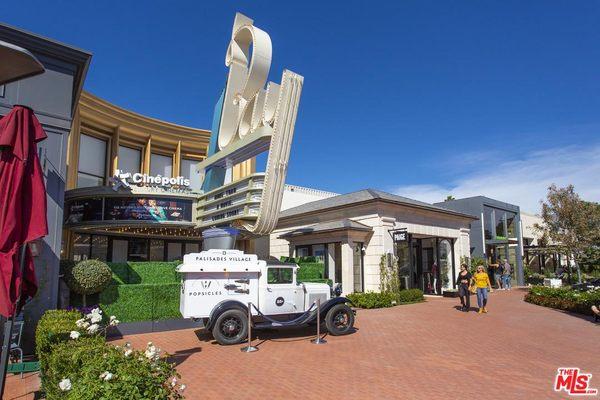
column 23, row 205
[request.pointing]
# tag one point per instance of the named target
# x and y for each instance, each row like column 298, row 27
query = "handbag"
column 473, row 289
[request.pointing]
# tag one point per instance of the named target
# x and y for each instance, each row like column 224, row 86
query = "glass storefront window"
column 161, row 165
column 338, row 263
column 157, row 250
column 130, row 160
column 119, row 250
column 81, row 247
column 92, row 161
column 499, row 222
column 319, row 252
column 99, row 247
column 192, row 248
column 445, row 263
column 188, row 170
column 302, row 251
column 511, row 224
column 173, row 251
column 487, row 222
column 403, row 259
column 138, row 249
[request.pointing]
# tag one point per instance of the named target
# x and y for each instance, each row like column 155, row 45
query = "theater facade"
column 132, row 185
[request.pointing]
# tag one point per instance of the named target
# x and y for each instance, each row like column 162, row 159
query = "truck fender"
column 221, row 308
column 332, row 302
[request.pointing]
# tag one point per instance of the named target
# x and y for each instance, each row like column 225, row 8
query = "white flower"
column 75, row 335
column 95, row 316
column 182, row 388
column 81, row 322
column 152, row 352
column 127, row 345
column 65, row 385
column 128, row 352
column 114, row 321
column 93, row 328
column 107, row 376
column 174, row 382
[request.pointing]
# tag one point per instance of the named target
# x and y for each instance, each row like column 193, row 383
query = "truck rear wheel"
column 339, row 320
column 231, row 327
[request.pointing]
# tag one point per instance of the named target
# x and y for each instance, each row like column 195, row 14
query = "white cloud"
column 524, row 181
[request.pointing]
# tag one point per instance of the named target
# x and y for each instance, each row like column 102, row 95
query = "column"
column 114, row 151
column 147, row 155
column 519, row 253
column 347, row 267
column 177, row 160
column 331, row 261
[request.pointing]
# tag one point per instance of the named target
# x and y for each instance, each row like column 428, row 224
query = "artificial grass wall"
column 141, row 302
column 139, row 291
column 145, row 272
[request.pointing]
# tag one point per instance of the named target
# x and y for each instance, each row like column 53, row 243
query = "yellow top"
column 482, row 280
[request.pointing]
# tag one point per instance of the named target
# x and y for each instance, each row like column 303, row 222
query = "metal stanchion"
column 249, row 348
column 318, row 339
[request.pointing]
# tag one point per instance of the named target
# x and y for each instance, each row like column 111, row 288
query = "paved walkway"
column 420, row 351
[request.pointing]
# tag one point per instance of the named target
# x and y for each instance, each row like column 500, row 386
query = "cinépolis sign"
column 125, row 179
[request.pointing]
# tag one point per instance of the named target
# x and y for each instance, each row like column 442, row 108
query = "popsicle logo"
column 574, row 382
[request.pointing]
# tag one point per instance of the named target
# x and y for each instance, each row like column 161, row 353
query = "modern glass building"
column 497, row 234
column 132, row 185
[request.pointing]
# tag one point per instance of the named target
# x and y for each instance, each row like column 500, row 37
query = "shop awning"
column 17, row 63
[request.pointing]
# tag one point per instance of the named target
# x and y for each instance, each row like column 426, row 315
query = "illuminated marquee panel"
column 237, row 201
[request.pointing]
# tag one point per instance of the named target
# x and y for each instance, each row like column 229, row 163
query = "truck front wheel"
column 231, row 327
column 339, row 320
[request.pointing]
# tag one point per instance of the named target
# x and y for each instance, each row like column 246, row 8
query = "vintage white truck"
column 217, row 286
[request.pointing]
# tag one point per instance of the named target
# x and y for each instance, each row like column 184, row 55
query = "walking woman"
column 463, row 280
column 481, row 280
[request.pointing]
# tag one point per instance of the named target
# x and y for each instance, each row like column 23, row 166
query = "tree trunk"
column 83, row 300
column 578, row 269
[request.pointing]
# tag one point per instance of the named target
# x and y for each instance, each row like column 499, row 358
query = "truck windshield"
column 280, row 275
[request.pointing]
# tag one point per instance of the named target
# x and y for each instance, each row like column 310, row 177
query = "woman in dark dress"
column 464, row 277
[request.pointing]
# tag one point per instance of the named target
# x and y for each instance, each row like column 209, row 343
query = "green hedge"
column 327, row 281
column 385, row 299
column 141, row 302
column 311, row 271
column 565, row 299
column 144, row 272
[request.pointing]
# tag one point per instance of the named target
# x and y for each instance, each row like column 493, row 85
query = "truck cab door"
column 282, row 295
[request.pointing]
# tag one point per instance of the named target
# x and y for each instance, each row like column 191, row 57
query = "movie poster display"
column 147, row 209
column 83, row 210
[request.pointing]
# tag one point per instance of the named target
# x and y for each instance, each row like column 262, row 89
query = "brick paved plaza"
column 420, row 351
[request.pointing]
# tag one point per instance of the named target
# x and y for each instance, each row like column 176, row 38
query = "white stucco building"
column 351, row 232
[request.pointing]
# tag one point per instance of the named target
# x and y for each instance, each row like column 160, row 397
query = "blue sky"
column 421, row 98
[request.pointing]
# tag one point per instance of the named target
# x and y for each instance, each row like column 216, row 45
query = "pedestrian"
column 481, row 281
column 498, row 268
column 507, row 275
column 463, row 280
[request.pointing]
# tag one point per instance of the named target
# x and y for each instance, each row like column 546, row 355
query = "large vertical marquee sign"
column 251, row 117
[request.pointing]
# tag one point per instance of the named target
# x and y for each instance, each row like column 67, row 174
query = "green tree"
column 450, row 198
column 571, row 223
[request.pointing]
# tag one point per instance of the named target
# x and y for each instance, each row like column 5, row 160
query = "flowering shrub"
column 89, row 369
column 564, row 298
column 59, row 326
column 79, row 364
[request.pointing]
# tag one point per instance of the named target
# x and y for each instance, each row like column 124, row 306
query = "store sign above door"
column 400, row 236
column 125, row 179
